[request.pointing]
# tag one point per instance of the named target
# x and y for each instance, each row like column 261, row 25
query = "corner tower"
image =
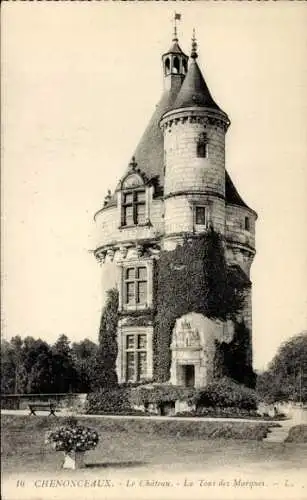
column 176, row 186
column 194, row 159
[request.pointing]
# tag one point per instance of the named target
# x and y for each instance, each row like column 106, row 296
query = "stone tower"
column 175, row 185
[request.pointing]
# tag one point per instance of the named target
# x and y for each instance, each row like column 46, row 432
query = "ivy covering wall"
column 193, row 277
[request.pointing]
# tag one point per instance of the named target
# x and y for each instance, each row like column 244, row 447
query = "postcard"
column 154, row 215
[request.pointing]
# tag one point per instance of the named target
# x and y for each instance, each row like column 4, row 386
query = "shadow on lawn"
column 116, row 465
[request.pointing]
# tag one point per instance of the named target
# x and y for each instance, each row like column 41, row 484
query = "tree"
column 84, row 356
column 65, row 375
column 8, row 368
column 286, row 377
column 103, row 372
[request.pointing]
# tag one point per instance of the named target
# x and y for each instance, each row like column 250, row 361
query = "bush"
column 160, row 393
column 297, row 434
column 108, row 401
column 225, row 393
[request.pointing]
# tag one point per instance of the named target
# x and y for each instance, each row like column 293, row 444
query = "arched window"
column 176, row 65
column 167, row 66
column 202, row 146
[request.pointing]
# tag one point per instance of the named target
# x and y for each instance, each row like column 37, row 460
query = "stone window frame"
column 122, row 269
column 134, row 204
column 136, row 279
column 247, row 223
column 207, row 216
column 121, row 362
column 202, row 145
column 134, row 189
column 137, row 352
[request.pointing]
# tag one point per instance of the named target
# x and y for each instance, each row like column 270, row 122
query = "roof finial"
column 194, row 54
column 177, row 17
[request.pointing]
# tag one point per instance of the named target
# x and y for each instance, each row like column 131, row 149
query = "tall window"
column 202, row 146
column 246, row 224
column 136, row 357
column 200, row 216
column 135, row 285
column 133, row 208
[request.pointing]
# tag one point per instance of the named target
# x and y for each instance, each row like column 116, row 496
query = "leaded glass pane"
column 130, row 273
column 201, row 215
column 130, row 366
column 140, row 214
column 142, row 273
column 130, row 292
column 142, row 341
column 142, row 292
column 128, row 198
column 128, row 215
column 142, row 365
column 140, row 196
column 130, row 341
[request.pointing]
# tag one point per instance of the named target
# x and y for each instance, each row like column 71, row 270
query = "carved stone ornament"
column 101, row 256
column 186, row 336
column 123, row 252
column 133, row 180
column 139, row 250
column 110, row 254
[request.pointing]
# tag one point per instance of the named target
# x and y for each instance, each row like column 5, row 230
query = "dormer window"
column 133, row 200
column 202, row 146
column 133, row 208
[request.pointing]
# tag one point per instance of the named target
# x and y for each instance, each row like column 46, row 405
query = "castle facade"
column 175, row 185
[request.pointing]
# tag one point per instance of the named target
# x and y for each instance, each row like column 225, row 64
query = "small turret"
column 194, row 144
column 175, row 64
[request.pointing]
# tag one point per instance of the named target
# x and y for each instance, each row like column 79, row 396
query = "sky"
column 80, row 81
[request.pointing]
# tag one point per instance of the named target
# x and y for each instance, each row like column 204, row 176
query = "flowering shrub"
column 72, row 437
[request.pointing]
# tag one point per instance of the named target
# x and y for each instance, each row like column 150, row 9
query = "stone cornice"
column 241, row 246
column 204, row 116
column 246, row 209
column 194, row 192
column 141, row 247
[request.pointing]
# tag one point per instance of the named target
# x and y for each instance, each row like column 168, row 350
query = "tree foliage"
column 33, row 366
column 286, row 377
column 104, row 371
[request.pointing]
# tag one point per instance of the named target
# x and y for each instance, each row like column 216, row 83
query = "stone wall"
column 184, row 170
column 108, row 228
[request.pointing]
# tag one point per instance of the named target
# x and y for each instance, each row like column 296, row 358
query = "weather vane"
column 177, row 17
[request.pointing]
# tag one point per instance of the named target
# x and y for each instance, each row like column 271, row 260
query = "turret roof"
column 175, row 48
column 194, row 90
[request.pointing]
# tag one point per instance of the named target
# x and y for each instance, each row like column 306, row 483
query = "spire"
column 177, row 17
column 194, row 54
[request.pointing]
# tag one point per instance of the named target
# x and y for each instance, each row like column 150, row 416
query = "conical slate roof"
column 175, row 48
column 194, row 90
column 150, row 150
column 231, row 194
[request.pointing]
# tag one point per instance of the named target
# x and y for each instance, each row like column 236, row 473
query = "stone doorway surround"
column 193, row 343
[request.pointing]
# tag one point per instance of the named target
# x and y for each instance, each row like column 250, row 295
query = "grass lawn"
column 134, row 444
